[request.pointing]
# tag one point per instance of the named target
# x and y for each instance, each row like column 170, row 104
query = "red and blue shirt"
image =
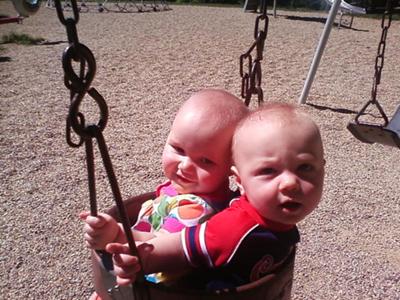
column 239, row 241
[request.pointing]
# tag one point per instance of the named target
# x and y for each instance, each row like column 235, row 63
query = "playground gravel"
column 147, row 65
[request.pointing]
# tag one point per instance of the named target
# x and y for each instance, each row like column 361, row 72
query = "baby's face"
column 196, row 157
column 281, row 169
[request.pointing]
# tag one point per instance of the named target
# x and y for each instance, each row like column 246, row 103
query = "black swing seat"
column 372, row 133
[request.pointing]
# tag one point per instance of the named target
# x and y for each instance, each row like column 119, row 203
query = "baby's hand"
column 126, row 266
column 99, row 230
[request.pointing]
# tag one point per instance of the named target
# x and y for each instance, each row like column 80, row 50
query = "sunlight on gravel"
column 147, row 65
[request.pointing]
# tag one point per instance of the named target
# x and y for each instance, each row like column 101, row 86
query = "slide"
column 348, row 8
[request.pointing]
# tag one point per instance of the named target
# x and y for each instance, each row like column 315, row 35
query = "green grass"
column 20, row 38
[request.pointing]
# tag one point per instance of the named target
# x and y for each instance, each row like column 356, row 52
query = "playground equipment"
column 252, row 6
column 24, row 8
column 388, row 132
column 346, row 8
column 115, row 5
column 5, row 20
column 276, row 285
column 336, row 6
column 138, row 6
column 395, row 4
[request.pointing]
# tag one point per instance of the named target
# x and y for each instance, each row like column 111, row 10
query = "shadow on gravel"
column 51, row 43
column 321, row 20
column 307, row 19
column 338, row 110
column 28, row 41
column 36, row 43
column 5, row 59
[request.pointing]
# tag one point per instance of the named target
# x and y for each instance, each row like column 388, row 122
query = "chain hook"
column 75, row 119
column 81, row 83
column 251, row 80
column 60, row 12
column 81, row 120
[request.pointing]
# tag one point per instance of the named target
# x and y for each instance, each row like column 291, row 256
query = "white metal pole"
column 320, row 49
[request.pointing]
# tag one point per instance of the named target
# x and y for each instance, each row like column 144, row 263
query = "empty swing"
column 275, row 285
column 388, row 131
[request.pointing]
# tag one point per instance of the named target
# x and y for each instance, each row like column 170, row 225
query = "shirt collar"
column 271, row 225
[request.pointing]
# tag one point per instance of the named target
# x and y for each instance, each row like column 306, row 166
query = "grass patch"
column 20, row 38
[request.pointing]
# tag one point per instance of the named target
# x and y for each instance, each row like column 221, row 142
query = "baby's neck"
column 219, row 199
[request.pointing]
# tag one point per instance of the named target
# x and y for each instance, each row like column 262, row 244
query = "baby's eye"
column 178, row 150
column 306, row 168
column 268, row 171
column 206, row 161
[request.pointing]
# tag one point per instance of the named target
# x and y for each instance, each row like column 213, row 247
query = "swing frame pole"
column 320, row 49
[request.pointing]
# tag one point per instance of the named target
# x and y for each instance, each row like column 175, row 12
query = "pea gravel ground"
column 147, row 65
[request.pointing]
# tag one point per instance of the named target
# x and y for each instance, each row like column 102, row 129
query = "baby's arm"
column 101, row 230
column 142, row 236
column 161, row 254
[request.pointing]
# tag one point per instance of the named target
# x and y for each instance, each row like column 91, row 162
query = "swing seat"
column 371, row 133
column 276, row 285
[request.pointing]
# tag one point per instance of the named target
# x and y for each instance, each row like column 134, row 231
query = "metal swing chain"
column 251, row 78
column 79, row 86
column 379, row 60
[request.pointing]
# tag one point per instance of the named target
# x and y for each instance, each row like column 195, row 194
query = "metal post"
column 320, row 49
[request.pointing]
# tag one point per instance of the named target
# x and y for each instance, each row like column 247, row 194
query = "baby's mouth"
column 184, row 179
column 291, row 206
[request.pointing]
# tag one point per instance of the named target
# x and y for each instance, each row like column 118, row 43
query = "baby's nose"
column 289, row 182
column 186, row 164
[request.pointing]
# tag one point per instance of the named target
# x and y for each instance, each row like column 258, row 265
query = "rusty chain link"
column 250, row 70
column 380, row 57
column 79, row 86
column 379, row 61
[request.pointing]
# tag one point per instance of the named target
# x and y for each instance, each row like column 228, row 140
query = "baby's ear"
column 237, row 179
